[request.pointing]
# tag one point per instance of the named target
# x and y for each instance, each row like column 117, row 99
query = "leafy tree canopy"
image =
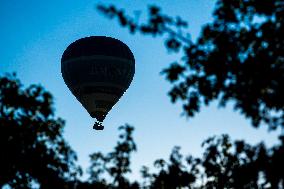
column 33, row 150
column 35, row 154
column 238, row 57
column 116, row 164
column 224, row 164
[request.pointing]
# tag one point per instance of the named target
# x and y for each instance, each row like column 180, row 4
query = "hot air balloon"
column 98, row 70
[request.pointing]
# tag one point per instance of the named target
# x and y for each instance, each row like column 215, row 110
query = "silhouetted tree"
column 238, row 57
column 173, row 174
column 33, row 150
column 115, row 164
column 35, row 154
column 225, row 164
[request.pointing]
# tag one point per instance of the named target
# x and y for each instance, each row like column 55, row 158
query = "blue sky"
column 34, row 35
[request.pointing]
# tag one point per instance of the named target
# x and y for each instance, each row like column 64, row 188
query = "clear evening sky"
column 33, row 36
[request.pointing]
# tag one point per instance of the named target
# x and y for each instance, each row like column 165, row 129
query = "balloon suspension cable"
column 98, row 126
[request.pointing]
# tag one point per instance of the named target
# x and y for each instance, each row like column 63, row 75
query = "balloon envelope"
column 98, row 70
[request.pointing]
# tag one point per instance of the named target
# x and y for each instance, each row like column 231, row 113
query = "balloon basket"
column 98, row 126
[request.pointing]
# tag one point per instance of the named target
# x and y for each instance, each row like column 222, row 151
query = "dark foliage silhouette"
column 170, row 175
column 115, row 164
column 238, row 57
column 36, row 155
column 225, row 164
column 33, row 150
